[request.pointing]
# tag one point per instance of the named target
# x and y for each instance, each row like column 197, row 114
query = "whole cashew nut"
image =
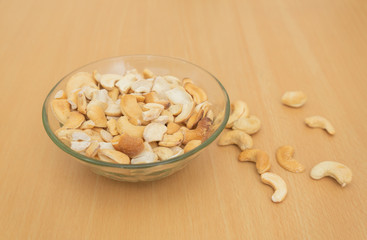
column 284, row 156
column 258, row 156
column 238, row 108
column 341, row 173
column 277, row 183
column 320, row 122
column 250, row 125
column 238, row 137
column 294, row 99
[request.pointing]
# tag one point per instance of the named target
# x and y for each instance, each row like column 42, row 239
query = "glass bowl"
column 160, row 65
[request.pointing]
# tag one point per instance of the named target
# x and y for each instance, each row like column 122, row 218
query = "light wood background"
column 258, row 49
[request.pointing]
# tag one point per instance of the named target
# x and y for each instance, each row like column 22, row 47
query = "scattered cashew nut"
column 294, row 99
column 238, row 108
column 277, row 183
column 258, row 156
column 284, row 156
column 341, row 173
column 320, row 122
column 250, row 124
column 238, row 137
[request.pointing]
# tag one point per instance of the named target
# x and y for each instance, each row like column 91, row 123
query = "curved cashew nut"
column 171, row 140
column 250, row 125
column 124, row 126
column 61, row 109
column 341, row 173
column 125, row 83
column 142, row 86
column 108, row 80
column 201, row 132
column 109, row 155
column 175, row 109
column 130, row 107
column 154, row 111
column 154, row 132
column 112, row 126
column 258, row 156
column 163, row 153
column 172, row 127
column 320, row 122
column 145, row 157
column 277, row 183
column 153, row 97
column 294, row 99
column 74, row 120
column 88, row 125
column 238, row 108
column 79, row 80
column 95, row 112
column 197, row 93
column 238, row 137
column 178, row 95
column 284, row 156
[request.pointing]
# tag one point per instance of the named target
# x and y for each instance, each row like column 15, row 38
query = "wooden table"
column 258, row 50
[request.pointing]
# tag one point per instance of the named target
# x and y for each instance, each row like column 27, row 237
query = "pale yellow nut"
column 160, row 86
column 112, row 126
column 153, row 97
column 145, row 157
column 94, row 135
column 177, row 151
column 74, row 120
column 106, row 136
column 92, row 150
column 139, row 98
column 249, row 125
column 106, row 145
column 277, row 183
column 61, row 109
column 147, row 73
column 96, row 113
column 197, row 93
column 210, row 115
column 167, row 113
column 60, row 94
column 124, row 126
column 82, row 103
column 88, row 125
column 89, row 91
column 113, row 156
column 153, row 112
column 294, row 99
column 161, row 119
column 114, row 94
column 79, row 146
column 187, row 80
column 172, row 127
column 320, row 122
column 171, row 140
column 200, row 111
column 96, row 76
column 79, row 80
column 142, row 86
column 191, row 145
column 178, row 95
column 154, row 132
column 101, row 97
column 73, row 98
column 284, row 156
column 340, row 172
column 113, row 108
column 174, row 81
column 238, row 108
column 130, row 107
column 201, row 132
column 237, row 137
column 108, row 80
column 257, row 156
column 125, row 83
column 175, row 109
column 163, row 153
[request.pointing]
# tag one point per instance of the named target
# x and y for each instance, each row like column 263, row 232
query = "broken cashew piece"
column 154, row 132
column 131, row 146
column 163, row 153
column 250, row 124
column 294, row 99
column 74, row 120
column 191, row 145
column 258, row 156
column 61, row 109
column 341, row 173
column 109, row 155
column 130, row 107
column 237, row 137
column 320, row 122
column 124, row 126
column 238, row 109
column 178, row 95
column 284, row 156
column 277, row 183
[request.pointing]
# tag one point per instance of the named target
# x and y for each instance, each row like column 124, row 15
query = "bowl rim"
column 93, row 161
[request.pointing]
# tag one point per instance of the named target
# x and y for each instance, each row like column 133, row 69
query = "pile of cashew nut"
column 243, row 125
column 132, row 118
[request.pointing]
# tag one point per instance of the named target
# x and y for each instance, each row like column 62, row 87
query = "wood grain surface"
column 258, row 49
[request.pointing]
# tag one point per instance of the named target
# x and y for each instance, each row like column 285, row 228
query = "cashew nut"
column 88, row 125
column 112, row 126
column 153, row 97
column 320, row 122
column 92, row 150
column 125, row 83
column 130, row 107
column 178, row 95
column 199, row 112
column 238, row 137
column 258, row 156
column 238, row 108
column 201, row 132
column 60, row 94
column 277, row 183
column 171, row 140
column 284, row 156
column 175, row 109
column 74, row 120
column 109, row 155
column 113, row 108
column 82, row 102
column 108, row 80
column 163, row 153
column 95, row 112
column 142, row 86
column 131, row 146
column 172, row 127
column 197, row 93
column 250, row 124
column 154, row 111
column 341, row 173
column 79, row 80
column 161, row 119
column 186, row 80
column 114, row 94
column 124, row 126
column 61, row 109
column 146, row 156
column 106, row 145
column 160, row 86
column 79, row 146
column 147, row 73
column 294, row 99
column 106, row 136
column 176, row 151
column 191, row 145
column 154, row 132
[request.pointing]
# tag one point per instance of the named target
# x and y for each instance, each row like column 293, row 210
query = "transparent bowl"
column 160, row 65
